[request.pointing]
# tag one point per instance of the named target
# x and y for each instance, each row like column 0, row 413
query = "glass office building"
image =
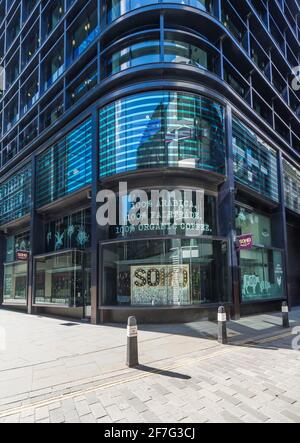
column 196, row 96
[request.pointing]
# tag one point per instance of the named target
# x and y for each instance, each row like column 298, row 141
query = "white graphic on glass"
column 82, row 237
column 71, row 230
column 59, row 240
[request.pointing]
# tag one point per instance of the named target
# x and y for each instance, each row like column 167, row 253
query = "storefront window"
column 73, row 231
column 15, row 243
column 262, row 275
column 250, row 222
column 162, row 129
column 60, row 279
column 15, row 283
column 165, row 272
column 255, row 163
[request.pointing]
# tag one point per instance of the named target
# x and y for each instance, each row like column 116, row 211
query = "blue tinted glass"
column 255, row 163
column 291, row 187
column 159, row 129
column 66, row 166
column 15, row 196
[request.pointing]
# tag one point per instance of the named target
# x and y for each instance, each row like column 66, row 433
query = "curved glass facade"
column 162, row 129
column 148, row 50
column 116, row 8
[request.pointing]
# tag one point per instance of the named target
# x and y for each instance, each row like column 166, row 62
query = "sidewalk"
column 47, row 358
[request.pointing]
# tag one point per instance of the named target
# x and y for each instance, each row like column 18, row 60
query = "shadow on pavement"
column 165, row 373
column 244, row 332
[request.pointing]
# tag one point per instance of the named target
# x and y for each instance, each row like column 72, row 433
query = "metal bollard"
column 132, row 343
column 285, row 315
column 222, row 326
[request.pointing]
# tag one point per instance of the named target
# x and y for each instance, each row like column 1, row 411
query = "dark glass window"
column 82, row 85
column 61, row 279
column 176, row 51
column 52, row 15
column 66, row 166
column 115, row 8
column 70, row 232
column 291, row 187
column 255, row 163
column 160, row 129
column 15, row 283
column 15, row 196
column 84, row 32
column 15, row 243
column 148, row 51
column 165, row 272
column 137, row 54
column 251, row 222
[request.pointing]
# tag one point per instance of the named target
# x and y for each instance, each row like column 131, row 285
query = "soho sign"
column 157, row 207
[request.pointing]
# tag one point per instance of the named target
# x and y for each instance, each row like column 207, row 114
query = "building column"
column 279, row 224
column 227, row 218
column 2, row 261
column 36, row 241
column 94, row 227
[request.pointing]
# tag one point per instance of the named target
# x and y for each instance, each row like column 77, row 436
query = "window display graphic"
column 160, row 285
column 262, row 274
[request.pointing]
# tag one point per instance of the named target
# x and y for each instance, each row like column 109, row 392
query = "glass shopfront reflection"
column 62, row 279
column 165, row 272
column 15, row 283
column 262, row 275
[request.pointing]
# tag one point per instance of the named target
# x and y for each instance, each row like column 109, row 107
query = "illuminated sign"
column 245, row 242
column 22, row 255
column 160, row 284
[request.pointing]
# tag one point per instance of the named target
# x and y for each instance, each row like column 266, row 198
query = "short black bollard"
column 222, row 326
column 285, row 315
column 132, row 343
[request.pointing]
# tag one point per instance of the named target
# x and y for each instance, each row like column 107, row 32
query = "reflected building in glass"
column 189, row 97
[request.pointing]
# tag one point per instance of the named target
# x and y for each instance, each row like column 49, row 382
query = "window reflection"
column 158, row 129
column 15, row 283
column 262, row 275
column 165, row 272
column 116, row 8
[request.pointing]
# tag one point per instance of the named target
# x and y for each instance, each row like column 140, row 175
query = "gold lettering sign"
column 160, row 285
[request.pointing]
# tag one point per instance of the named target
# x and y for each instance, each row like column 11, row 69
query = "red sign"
column 245, row 242
column 22, row 255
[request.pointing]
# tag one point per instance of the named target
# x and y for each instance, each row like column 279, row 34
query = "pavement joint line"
column 187, row 362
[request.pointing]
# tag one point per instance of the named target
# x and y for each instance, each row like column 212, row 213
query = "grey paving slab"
column 186, row 377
